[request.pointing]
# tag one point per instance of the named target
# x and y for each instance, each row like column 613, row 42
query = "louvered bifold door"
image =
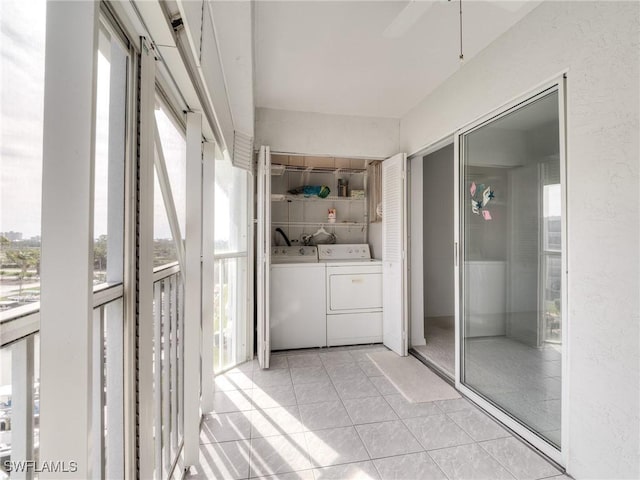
column 394, row 233
column 263, row 250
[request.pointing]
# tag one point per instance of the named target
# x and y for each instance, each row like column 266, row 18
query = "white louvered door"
column 263, row 256
column 394, row 268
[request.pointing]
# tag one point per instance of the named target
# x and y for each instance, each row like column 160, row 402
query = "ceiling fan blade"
column 407, row 18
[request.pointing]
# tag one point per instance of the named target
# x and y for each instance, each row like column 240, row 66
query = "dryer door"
column 354, row 289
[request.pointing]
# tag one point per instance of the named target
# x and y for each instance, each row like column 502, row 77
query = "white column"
column 145, row 265
column 114, row 314
column 67, row 236
column 22, row 404
column 193, row 290
column 208, row 246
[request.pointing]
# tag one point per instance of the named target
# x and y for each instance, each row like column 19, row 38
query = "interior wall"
column 416, row 251
column 598, row 44
column 438, row 225
column 322, row 134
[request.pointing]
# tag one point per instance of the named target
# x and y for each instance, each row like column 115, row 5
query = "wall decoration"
column 481, row 195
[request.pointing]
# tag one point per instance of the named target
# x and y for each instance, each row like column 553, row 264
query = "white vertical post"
column 115, row 390
column 97, row 433
column 180, row 288
column 193, row 290
column 166, row 373
column 249, row 286
column 115, row 261
column 67, row 235
column 22, row 404
column 145, row 264
column 157, row 376
column 174, row 363
column 208, row 261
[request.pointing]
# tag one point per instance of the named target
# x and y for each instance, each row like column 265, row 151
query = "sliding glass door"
column 510, row 274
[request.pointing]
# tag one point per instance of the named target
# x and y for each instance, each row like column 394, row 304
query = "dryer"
column 353, row 294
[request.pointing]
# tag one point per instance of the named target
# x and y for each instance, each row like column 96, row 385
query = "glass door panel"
column 510, row 211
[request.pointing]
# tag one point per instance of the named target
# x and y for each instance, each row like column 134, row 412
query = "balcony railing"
column 168, row 367
column 20, row 378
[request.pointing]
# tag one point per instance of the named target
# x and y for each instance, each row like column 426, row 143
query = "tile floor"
column 523, row 380
column 331, row 414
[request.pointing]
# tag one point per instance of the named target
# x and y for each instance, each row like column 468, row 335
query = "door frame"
column 412, row 238
column 558, row 455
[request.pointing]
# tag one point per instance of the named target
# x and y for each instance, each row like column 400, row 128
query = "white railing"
column 168, row 368
column 19, row 410
column 19, row 400
column 230, row 304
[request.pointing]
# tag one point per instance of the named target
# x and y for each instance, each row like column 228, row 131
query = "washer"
column 297, row 299
column 353, row 294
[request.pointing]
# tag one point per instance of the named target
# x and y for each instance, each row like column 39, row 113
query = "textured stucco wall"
column 322, row 134
column 598, row 42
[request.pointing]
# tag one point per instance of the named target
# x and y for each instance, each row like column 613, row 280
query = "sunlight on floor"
column 331, row 414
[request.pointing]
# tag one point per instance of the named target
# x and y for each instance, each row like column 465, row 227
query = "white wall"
column 416, row 251
column 322, row 134
column 438, row 233
column 599, row 43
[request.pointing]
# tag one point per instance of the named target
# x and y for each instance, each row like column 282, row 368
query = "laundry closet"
column 321, row 280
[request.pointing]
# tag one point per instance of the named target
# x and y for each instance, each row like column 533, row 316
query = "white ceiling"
column 334, row 57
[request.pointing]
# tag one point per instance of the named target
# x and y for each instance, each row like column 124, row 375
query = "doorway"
column 433, row 322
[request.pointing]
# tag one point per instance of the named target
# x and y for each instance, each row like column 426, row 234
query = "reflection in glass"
column 512, row 251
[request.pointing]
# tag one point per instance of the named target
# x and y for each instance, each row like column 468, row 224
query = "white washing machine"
column 297, row 299
column 353, row 294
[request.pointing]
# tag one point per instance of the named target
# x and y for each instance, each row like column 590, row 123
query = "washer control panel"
column 344, row 252
column 294, row 254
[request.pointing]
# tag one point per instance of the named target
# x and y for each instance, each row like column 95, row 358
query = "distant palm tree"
column 23, row 259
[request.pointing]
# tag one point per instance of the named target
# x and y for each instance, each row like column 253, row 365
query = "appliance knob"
column 301, row 251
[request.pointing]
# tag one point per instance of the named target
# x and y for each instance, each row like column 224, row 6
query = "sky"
column 22, row 27
column 22, row 38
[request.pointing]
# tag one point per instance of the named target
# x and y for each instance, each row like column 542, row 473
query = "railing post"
column 173, row 286
column 166, row 373
column 157, row 377
column 193, row 290
column 208, row 272
column 97, row 431
column 22, row 404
